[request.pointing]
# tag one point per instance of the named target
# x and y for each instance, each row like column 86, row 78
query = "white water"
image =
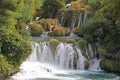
column 43, row 64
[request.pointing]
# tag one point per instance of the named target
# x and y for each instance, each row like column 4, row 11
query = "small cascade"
column 62, row 18
column 59, row 55
column 95, row 65
column 85, row 16
column 80, row 20
column 44, row 34
column 33, row 56
column 46, row 55
column 74, row 18
column 81, row 60
column 94, row 61
column 90, row 52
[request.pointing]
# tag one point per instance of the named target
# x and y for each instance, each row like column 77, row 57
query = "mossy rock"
column 70, row 40
column 110, row 65
column 82, row 44
column 53, row 44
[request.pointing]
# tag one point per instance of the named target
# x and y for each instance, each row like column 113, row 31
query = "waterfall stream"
column 63, row 56
column 42, row 64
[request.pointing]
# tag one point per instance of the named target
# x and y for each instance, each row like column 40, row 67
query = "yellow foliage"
column 79, row 5
column 52, row 23
column 61, row 31
column 35, row 9
column 36, row 29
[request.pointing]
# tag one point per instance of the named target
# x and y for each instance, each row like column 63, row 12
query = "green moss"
column 69, row 40
column 110, row 65
column 82, row 44
column 53, row 44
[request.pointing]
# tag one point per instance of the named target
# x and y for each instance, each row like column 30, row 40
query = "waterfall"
column 73, row 21
column 62, row 18
column 81, row 60
column 64, row 56
column 94, row 62
column 80, row 19
column 85, row 16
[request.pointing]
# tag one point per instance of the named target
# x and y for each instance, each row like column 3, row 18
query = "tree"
column 105, row 25
column 11, row 40
column 50, row 8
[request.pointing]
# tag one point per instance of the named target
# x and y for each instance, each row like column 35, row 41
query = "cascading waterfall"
column 43, row 63
column 76, row 19
column 80, row 20
column 73, row 21
column 66, row 56
column 62, row 18
column 63, row 57
column 94, row 61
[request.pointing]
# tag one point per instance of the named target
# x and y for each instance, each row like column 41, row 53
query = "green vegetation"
column 103, row 27
column 36, row 29
column 5, row 67
column 110, row 65
column 50, row 8
column 53, row 44
column 14, row 41
column 78, row 31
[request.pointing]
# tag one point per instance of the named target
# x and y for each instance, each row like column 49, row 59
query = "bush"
column 82, row 44
column 60, row 31
column 44, row 24
column 36, row 29
column 78, row 31
column 110, row 65
column 5, row 67
column 14, row 46
column 53, row 44
column 48, row 24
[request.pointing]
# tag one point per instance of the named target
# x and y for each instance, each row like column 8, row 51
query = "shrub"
column 14, row 46
column 36, row 29
column 5, row 67
column 78, row 31
column 60, row 31
column 44, row 24
column 110, row 65
column 48, row 24
column 82, row 44
column 102, row 51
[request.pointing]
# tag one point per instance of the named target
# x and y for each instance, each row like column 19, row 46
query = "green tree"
column 14, row 45
column 105, row 26
column 50, row 8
